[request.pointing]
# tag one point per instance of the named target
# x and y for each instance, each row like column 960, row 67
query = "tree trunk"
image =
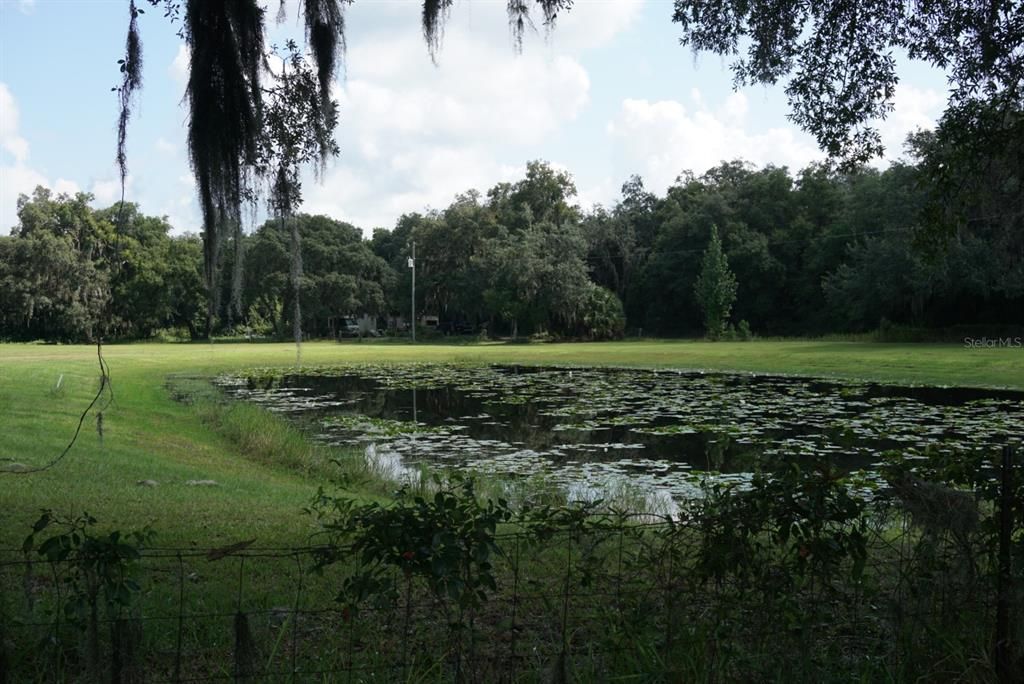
column 296, row 275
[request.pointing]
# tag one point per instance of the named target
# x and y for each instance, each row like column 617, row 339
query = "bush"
column 601, row 316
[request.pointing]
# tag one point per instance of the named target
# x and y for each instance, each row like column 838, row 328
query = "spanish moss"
column 298, row 129
column 224, row 96
column 435, row 14
column 325, row 33
column 519, row 16
column 131, row 81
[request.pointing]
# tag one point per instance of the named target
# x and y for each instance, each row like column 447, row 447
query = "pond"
column 600, row 432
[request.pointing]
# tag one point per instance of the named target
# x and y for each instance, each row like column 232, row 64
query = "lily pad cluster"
column 595, row 430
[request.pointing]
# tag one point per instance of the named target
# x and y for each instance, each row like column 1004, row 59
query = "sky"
column 608, row 93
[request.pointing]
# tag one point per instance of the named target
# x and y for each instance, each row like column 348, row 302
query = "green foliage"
column 446, row 540
column 601, row 316
column 805, row 522
column 838, row 57
column 69, row 274
column 715, row 287
column 815, row 253
column 97, row 566
column 341, row 275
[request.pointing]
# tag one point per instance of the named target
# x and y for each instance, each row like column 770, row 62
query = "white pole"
column 412, row 265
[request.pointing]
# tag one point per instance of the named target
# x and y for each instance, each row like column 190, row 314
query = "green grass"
column 257, row 459
column 268, row 471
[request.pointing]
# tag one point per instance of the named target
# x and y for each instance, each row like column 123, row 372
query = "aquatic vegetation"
column 595, row 431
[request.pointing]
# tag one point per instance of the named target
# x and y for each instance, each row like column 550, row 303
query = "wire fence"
column 596, row 600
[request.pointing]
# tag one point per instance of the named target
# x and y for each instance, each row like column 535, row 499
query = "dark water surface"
column 600, row 429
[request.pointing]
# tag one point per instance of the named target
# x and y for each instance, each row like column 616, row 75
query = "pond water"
column 603, row 431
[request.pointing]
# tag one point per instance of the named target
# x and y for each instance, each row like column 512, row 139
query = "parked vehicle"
column 349, row 327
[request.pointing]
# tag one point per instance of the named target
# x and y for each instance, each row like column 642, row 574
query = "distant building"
column 362, row 325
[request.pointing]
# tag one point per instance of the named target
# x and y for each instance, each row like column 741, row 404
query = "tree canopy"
column 813, row 252
column 840, row 58
column 232, row 114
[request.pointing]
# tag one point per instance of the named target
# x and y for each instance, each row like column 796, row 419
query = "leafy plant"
column 96, row 570
column 99, row 566
column 446, row 540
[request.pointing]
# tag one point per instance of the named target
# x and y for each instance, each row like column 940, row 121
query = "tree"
column 67, row 274
column 299, row 125
column 341, row 275
column 230, row 110
column 59, row 278
column 839, row 57
column 715, row 287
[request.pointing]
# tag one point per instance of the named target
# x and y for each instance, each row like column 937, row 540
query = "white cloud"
column 413, row 135
column 477, row 93
column 16, row 177
column 165, row 146
column 409, row 182
column 914, row 108
column 594, row 23
column 10, row 141
column 26, row 6
column 65, row 186
column 605, row 192
column 14, row 181
column 178, row 69
column 660, row 139
column 107, row 192
column 424, row 133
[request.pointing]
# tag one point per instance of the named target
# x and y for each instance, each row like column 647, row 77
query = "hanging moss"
column 325, row 33
column 226, row 123
column 435, row 13
column 131, row 81
column 225, row 103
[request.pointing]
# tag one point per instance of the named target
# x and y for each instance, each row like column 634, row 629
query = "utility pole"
column 412, row 265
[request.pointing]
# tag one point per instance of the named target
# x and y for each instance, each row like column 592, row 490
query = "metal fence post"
column 1003, row 657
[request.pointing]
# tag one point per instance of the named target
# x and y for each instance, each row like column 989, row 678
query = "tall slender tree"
column 715, row 287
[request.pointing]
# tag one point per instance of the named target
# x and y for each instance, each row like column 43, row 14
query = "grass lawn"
column 150, row 436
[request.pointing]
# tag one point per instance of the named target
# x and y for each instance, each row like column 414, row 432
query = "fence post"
column 1004, row 663
column 4, row 667
column 515, row 609
column 561, row 673
column 295, row 616
column 245, row 648
column 181, row 619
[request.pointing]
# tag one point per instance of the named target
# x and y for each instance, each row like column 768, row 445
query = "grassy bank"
column 150, row 436
column 266, row 472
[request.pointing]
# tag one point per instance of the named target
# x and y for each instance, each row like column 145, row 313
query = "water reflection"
column 635, row 431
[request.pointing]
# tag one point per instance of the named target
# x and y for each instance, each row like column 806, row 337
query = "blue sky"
column 609, row 93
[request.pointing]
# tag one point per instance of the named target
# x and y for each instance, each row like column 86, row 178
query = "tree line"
column 810, row 253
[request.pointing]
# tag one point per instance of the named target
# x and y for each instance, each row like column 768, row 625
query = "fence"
column 887, row 593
